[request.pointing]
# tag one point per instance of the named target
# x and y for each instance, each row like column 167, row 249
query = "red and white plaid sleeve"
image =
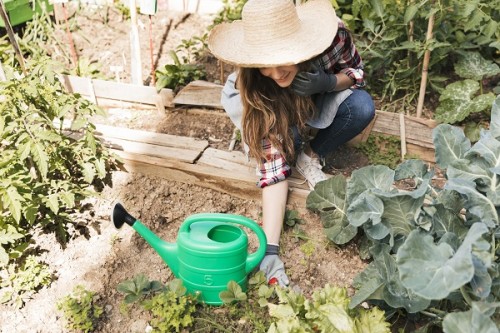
column 274, row 168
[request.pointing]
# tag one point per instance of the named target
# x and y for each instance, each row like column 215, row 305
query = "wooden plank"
column 153, row 138
column 201, row 93
column 145, row 149
column 207, row 176
column 418, row 131
column 236, row 161
column 118, row 91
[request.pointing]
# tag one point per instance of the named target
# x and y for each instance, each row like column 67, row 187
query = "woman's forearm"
column 274, row 199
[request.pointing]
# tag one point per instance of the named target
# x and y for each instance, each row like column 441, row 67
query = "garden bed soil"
column 99, row 257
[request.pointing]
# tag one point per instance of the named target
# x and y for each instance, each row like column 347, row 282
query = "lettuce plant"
column 434, row 248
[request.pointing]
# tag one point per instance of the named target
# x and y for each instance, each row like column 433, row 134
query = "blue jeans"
column 353, row 115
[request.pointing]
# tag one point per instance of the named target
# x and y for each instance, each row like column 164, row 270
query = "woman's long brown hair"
column 270, row 111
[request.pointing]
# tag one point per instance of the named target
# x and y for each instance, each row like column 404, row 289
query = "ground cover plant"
column 434, row 249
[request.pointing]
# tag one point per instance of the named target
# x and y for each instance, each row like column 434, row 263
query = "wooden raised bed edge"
column 216, row 169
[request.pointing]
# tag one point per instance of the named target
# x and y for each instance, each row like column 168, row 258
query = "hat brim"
column 319, row 25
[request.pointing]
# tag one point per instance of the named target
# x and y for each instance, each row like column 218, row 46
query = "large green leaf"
column 475, row 202
column 328, row 198
column 457, row 102
column 495, row 118
column 380, row 281
column 400, row 211
column 445, row 220
column 434, row 271
column 450, row 144
column 472, row 321
column 378, row 177
column 366, row 208
column 473, row 66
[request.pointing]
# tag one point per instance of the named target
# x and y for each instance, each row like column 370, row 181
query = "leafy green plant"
column 178, row 74
column 292, row 218
column 138, row 288
column 18, row 283
column 434, row 249
column 382, row 149
column 45, row 170
column 391, row 37
column 460, row 98
column 193, row 48
column 171, row 309
column 231, row 10
column 234, row 293
column 327, row 311
column 80, row 310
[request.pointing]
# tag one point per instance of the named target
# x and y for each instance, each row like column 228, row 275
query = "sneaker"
column 310, row 168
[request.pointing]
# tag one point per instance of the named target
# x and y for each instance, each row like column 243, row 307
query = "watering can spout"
column 166, row 250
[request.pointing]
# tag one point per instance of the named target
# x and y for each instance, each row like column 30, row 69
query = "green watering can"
column 211, row 250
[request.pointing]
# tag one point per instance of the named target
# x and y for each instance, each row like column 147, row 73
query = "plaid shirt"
column 340, row 57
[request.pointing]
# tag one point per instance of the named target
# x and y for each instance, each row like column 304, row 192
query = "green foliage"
column 192, row 49
column 460, row 98
column 231, row 10
column 391, row 37
column 87, row 68
column 178, row 74
column 292, row 218
column 138, row 288
column 171, row 309
column 308, row 248
column 122, row 8
column 234, row 293
column 19, row 283
column 45, row 170
column 327, row 311
column 80, row 310
column 426, row 251
column 384, row 150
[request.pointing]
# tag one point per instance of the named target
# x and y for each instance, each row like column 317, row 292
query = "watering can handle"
column 254, row 258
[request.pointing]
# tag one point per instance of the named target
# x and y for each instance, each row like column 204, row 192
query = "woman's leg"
column 353, row 115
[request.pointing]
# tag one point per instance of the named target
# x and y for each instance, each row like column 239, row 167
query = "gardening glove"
column 314, row 82
column 273, row 267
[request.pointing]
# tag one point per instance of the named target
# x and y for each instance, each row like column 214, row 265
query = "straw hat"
column 275, row 33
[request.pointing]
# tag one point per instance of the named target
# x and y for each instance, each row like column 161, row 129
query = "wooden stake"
column 153, row 76
column 221, row 65
column 12, row 37
column 71, row 43
column 402, row 135
column 425, row 68
column 135, row 47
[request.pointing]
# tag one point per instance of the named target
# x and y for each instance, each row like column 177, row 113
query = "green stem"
column 466, row 297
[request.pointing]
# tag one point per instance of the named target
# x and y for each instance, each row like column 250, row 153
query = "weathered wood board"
column 200, row 93
column 190, row 160
column 417, row 131
column 95, row 90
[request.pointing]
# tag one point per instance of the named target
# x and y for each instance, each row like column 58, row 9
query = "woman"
column 298, row 71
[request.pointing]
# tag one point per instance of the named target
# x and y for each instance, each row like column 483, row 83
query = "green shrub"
column 45, row 169
column 18, row 283
column 80, row 310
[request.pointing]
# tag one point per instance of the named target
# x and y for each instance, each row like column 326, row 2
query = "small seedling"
column 234, row 293
column 80, row 311
column 138, row 288
column 170, row 311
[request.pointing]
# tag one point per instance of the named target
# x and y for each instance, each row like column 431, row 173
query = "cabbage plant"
column 433, row 247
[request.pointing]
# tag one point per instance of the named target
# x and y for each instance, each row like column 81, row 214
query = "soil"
column 99, row 257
